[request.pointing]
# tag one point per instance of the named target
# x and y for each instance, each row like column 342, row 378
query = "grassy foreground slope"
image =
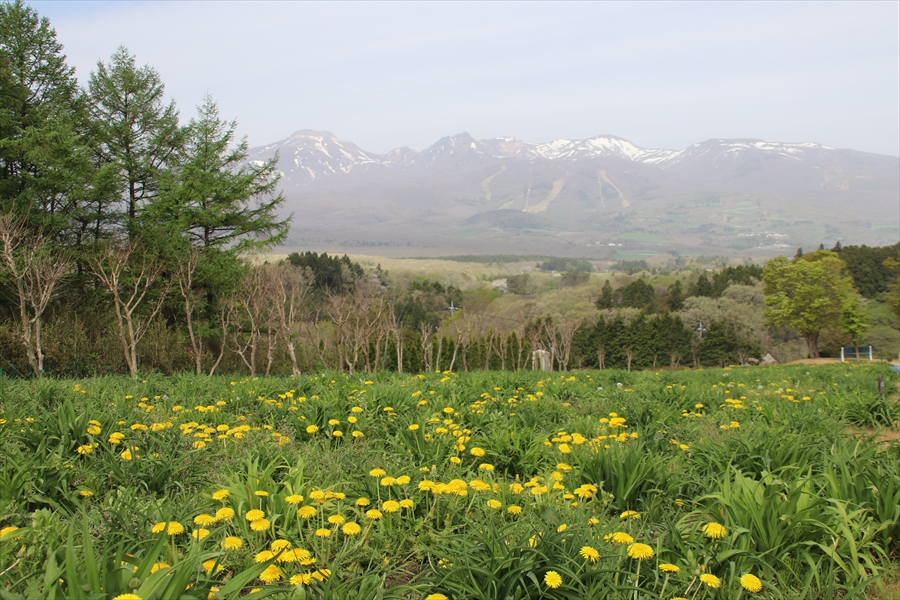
column 745, row 482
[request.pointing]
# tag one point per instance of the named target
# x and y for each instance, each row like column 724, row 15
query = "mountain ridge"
column 719, row 193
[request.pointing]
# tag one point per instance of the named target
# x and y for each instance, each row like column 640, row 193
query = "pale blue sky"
column 383, row 75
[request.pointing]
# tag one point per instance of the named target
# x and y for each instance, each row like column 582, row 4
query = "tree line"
column 128, row 240
column 108, row 200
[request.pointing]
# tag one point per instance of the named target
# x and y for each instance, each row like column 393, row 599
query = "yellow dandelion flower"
column 253, row 515
column 210, row 565
column 294, row 499
column 640, row 551
column 7, row 530
column 714, row 530
column 630, row 514
column 199, row 534
column 436, row 597
column 158, row 528
column 494, row 504
column 362, row 501
column 295, row 555
column 261, row 493
column 279, row 545
column 260, row 525
column 263, row 556
column 391, row 506
column 711, row 580
column 220, row 495
column 552, row 579
column 301, row 579
column 224, row 514
column 373, row 514
column 128, row 597
column 306, row 512
column 160, row 565
column 323, row 533
column 589, row 553
column 514, row 509
column 669, row 568
column 751, row 583
column 351, row 528
column 312, row 429
column 232, row 543
column 336, row 519
column 204, row 520
column 621, row 537
column 377, row 473
column 407, row 503
column 272, row 574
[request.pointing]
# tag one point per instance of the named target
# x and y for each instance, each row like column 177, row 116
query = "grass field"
column 769, row 482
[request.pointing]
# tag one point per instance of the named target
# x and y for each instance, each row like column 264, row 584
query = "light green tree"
column 811, row 293
column 855, row 320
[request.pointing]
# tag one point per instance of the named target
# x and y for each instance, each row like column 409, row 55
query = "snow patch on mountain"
column 311, row 155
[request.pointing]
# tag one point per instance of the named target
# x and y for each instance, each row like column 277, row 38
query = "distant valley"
column 602, row 198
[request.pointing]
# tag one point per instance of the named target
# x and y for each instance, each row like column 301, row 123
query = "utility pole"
column 700, row 328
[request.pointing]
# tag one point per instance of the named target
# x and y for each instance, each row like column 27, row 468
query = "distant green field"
column 633, row 255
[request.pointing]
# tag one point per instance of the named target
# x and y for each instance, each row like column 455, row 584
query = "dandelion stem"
column 637, row 580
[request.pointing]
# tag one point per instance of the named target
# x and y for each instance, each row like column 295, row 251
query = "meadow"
column 746, row 482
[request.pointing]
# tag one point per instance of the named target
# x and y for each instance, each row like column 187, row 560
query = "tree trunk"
column 812, row 344
column 398, row 342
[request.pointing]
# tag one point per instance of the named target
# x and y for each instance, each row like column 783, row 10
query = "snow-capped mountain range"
column 312, row 155
column 715, row 193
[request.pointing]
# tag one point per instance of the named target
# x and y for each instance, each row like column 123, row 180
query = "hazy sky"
column 383, row 75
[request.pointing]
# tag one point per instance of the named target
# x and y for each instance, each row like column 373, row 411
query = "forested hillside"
column 130, row 240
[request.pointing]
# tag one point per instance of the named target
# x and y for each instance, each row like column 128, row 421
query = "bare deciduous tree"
column 564, row 335
column 293, row 290
column 254, row 317
column 184, row 279
column 35, row 275
column 130, row 274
